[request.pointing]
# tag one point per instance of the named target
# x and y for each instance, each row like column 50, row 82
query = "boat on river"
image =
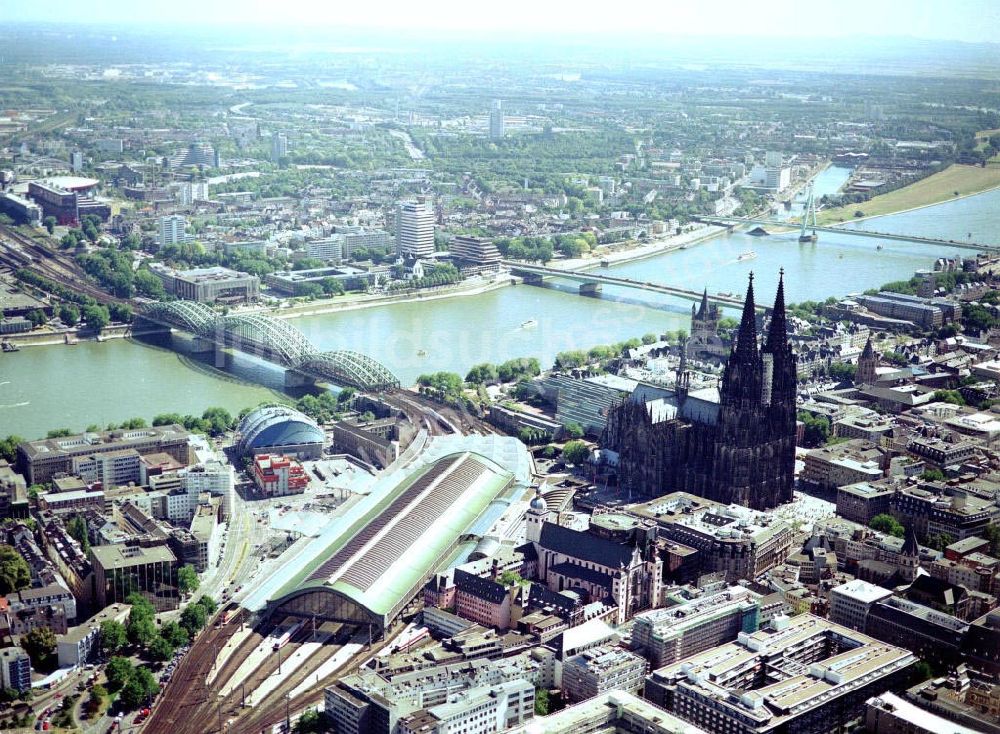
column 748, row 255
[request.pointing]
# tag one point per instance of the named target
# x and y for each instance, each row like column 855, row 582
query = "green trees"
column 96, row 317
column 113, row 636
column 214, row 421
column 542, row 703
column 77, row 528
column 940, row 541
column 174, row 634
column 118, row 671
column 50, row 224
column 218, row 420
column 140, row 630
column 949, row 396
column 40, row 644
column 161, row 648
column 816, row 429
column 193, row 619
column 885, row 523
column 518, row 368
column 447, row 383
column 510, row 578
column 932, row 475
column 69, row 314
column 121, row 312
column 575, row 452
column 842, row 371
column 526, row 248
column 574, row 430
column 570, row 359
column 139, row 689
column 321, row 408
column 208, row 604
column 482, row 374
column 14, row 571
column 8, row 448
column 531, row 436
column 510, row 371
column 309, row 723
column 187, row 579
column 141, row 627
column 36, row 317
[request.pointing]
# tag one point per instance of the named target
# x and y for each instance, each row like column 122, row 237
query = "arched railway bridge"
column 274, row 340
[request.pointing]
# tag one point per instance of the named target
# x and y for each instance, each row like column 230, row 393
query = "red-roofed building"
column 277, row 476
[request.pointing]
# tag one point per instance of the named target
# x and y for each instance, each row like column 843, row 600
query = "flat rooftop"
column 84, row 442
column 124, row 556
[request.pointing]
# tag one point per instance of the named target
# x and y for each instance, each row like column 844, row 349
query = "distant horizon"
column 961, row 21
column 393, row 31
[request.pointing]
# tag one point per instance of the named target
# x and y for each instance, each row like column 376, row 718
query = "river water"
column 90, row 383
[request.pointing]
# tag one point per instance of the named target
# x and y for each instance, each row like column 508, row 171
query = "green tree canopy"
column 208, row 604
column 174, row 634
column 139, row 689
column 886, row 523
column 8, row 448
column 14, row 571
column 119, row 671
column 193, row 618
column 40, row 644
column 161, row 648
column 187, row 579
column 113, row 636
column 141, row 630
column 575, row 452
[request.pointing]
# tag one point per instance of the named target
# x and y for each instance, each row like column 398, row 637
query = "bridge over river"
column 732, row 222
column 274, row 340
column 591, row 282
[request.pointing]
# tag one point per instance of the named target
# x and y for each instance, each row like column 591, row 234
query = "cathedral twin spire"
column 746, row 377
column 746, row 349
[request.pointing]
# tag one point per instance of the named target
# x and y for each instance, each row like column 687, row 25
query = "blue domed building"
column 280, row 430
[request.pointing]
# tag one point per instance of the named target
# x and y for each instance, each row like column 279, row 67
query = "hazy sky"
column 961, row 20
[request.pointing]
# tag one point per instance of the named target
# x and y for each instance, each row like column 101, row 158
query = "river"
column 90, row 383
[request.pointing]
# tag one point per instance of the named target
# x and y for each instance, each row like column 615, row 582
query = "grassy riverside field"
column 943, row 186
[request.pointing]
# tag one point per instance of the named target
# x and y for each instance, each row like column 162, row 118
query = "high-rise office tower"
column 496, row 120
column 415, row 229
column 279, row 146
column 172, row 229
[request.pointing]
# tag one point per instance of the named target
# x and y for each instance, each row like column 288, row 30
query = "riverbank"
column 333, row 305
column 641, row 252
column 936, row 189
column 72, row 336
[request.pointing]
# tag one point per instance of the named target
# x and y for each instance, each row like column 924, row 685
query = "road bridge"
column 732, row 222
column 274, row 340
column 591, row 282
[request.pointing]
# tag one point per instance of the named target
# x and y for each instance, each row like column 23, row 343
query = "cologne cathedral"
column 734, row 443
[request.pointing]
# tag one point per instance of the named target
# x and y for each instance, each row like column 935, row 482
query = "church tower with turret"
column 867, row 366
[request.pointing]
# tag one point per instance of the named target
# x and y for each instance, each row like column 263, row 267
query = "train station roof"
column 383, row 550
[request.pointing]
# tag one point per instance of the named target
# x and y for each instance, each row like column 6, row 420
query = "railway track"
column 20, row 251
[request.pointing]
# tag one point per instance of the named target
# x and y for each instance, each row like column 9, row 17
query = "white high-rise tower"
column 415, row 230
column 496, row 120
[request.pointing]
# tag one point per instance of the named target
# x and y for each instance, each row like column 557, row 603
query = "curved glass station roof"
column 381, row 553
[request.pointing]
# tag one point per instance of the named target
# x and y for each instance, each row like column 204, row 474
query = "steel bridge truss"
column 276, row 339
